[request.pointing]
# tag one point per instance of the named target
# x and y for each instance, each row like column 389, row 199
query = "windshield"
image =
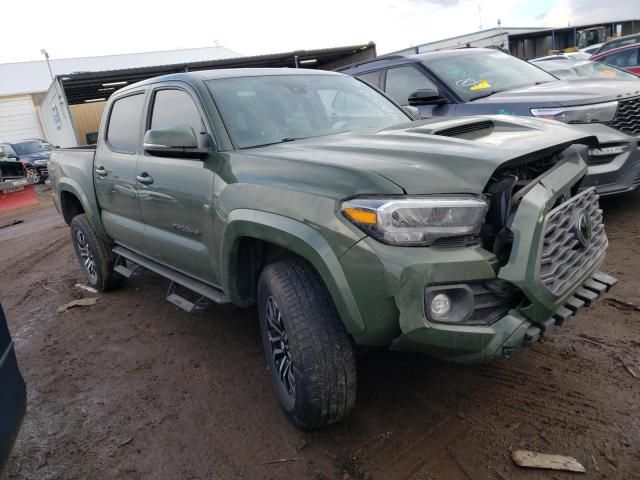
column 477, row 73
column 26, row 148
column 592, row 70
column 273, row 109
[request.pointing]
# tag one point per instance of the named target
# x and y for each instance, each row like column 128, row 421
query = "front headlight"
column 596, row 113
column 416, row 221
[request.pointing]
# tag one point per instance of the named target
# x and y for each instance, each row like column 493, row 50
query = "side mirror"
column 426, row 96
column 178, row 141
column 12, row 156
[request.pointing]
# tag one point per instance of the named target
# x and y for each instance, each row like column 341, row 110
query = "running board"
column 123, row 269
column 206, row 292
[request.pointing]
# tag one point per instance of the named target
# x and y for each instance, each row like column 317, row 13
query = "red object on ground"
column 19, row 196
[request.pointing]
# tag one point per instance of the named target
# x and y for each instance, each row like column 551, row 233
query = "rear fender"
column 89, row 203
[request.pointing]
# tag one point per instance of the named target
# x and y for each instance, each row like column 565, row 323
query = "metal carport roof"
column 81, row 87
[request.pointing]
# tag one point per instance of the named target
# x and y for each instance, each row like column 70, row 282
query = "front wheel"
column 95, row 255
column 34, row 175
column 309, row 352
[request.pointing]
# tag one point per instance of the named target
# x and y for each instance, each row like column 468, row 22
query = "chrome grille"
column 565, row 257
column 627, row 118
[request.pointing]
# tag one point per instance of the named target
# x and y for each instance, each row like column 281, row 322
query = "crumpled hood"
column 563, row 93
column 421, row 157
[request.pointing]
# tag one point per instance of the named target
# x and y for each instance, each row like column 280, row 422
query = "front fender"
column 89, row 203
column 298, row 238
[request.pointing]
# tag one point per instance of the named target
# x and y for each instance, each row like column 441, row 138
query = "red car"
column 627, row 58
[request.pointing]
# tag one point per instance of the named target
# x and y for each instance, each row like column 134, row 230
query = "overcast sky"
column 80, row 28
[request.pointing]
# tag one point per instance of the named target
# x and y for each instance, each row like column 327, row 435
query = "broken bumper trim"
column 591, row 290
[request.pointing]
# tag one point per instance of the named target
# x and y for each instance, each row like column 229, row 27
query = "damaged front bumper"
column 585, row 296
column 556, row 272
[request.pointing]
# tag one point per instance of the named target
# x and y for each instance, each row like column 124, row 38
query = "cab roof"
column 204, row 75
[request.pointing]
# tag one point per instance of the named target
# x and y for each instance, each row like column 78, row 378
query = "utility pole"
column 46, row 56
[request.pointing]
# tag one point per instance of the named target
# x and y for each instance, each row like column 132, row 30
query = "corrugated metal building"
column 527, row 45
column 498, row 36
column 530, row 42
column 24, row 102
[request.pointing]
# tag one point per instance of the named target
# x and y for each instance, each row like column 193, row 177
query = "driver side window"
column 403, row 81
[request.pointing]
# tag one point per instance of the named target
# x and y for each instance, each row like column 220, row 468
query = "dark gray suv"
column 13, row 394
column 477, row 81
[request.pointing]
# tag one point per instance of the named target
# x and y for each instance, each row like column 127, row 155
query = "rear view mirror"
column 178, row 141
column 426, row 96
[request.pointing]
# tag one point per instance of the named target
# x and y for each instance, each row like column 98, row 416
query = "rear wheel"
column 95, row 255
column 309, row 352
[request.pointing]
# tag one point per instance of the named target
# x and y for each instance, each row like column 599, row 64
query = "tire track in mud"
column 427, row 452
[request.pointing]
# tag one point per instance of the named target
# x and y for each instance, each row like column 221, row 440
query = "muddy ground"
column 134, row 388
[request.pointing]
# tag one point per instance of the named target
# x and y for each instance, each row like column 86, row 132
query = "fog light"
column 440, row 306
column 448, row 303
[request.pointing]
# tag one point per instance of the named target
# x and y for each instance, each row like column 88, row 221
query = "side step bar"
column 206, row 292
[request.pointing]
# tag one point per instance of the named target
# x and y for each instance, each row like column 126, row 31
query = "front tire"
column 309, row 352
column 34, row 176
column 95, row 255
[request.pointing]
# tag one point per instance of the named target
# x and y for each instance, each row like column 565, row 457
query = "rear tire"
column 309, row 352
column 95, row 256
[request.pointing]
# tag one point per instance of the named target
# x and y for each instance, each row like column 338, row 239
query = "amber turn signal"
column 357, row 215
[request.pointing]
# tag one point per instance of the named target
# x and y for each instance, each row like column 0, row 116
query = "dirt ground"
column 134, row 388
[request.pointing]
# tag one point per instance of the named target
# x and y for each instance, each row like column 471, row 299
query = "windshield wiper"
column 486, row 95
column 284, row 140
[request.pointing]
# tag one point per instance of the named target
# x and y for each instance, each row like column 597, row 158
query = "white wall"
column 54, row 115
column 18, row 119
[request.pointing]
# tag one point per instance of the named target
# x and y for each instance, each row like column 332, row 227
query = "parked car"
column 591, row 49
column 473, row 81
column 13, row 394
column 314, row 197
column 583, row 70
column 617, row 43
column 627, row 58
column 11, row 170
column 33, row 154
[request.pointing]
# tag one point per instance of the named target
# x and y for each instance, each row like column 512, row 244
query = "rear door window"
column 123, row 131
column 403, row 81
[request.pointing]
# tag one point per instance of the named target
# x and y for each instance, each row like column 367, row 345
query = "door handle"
column 101, row 171
column 144, row 178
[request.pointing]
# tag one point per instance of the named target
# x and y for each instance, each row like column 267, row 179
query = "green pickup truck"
column 318, row 199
